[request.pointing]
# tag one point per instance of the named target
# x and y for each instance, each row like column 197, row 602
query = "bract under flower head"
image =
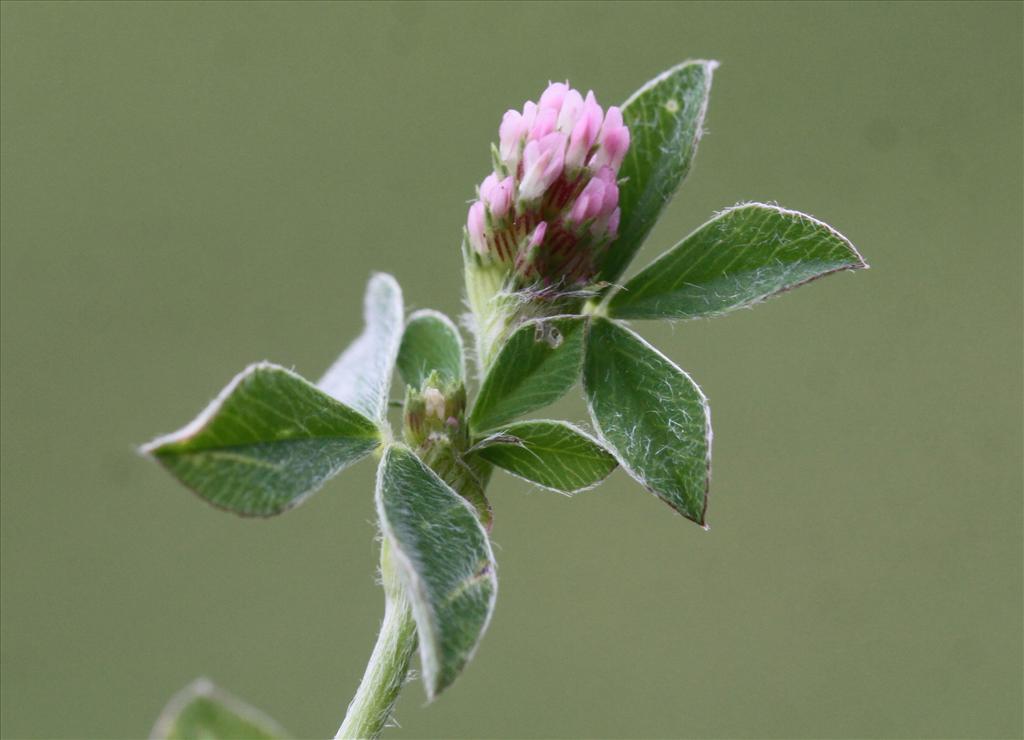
column 551, row 207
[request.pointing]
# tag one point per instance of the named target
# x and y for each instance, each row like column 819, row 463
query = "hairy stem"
column 371, row 707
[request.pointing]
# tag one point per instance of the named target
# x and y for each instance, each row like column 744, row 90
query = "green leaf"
column 361, row 376
column 201, row 711
column 269, row 440
column 535, row 366
column 743, row 256
column 665, row 119
column 552, row 454
column 430, row 343
column 443, row 557
column 651, row 415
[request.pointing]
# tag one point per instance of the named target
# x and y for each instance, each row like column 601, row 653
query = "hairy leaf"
column 535, row 367
column 201, row 711
column 665, row 119
column 269, row 440
column 651, row 415
column 744, row 255
column 430, row 343
column 443, row 557
column 552, row 454
column 361, row 376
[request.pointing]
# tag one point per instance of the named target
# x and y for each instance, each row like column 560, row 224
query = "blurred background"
column 188, row 188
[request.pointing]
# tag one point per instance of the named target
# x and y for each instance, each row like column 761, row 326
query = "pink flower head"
column 551, row 208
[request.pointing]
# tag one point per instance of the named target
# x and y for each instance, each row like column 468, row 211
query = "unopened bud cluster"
column 435, row 427
column 551, row 206
column 434, row 414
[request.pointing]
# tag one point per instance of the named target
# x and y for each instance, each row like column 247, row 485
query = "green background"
column 189, row 188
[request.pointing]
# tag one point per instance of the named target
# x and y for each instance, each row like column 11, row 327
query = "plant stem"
column 371, row 707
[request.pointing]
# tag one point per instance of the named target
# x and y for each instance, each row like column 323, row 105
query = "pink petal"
column 538, row 234
column 554, row 95
column 584, row 133
column 499, row 198
column 613, row 222
column 572, row 108
column 545, row 123
column 543, row 162
column 487, row 186
column 510, row 134
column 475, row 225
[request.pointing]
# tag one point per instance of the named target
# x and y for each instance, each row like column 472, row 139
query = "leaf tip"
column 381, row 282
column 384, row 278
column 859, row 262
column 187, row 706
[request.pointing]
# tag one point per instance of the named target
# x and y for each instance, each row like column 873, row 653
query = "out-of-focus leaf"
column 361, row 376
column 552, row 454
column 538, row 363
column 651, row 415
column 269, row 440
column 431, row 342
column 443, row 557
column 665, row 119
column 201, row 711
column 743, row 256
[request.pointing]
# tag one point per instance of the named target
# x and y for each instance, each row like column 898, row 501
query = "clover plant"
column 574, row 191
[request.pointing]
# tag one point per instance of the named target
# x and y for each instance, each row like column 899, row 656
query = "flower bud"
column 572, row 107
column 542, row 164
column 537, row 238
column 544, row 123
column 584, row 134
column 497, row 195
column 475, row 226
column 614, row 141
column 433, row 402
column 510, row 137
column 435, row 414
column 553, row 96
column 546, row 216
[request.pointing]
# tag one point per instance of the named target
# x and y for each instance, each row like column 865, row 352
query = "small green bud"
column 435, row 413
